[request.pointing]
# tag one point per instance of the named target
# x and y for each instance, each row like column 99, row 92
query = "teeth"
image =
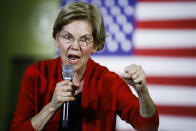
column 73, row 60
column 73, row 57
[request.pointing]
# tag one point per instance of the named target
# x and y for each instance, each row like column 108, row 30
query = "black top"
column 75, row 117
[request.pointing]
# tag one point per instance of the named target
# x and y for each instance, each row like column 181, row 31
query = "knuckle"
column 58, row 98
column 59, row 83
column 58, row 90
column 58, row 93
column 70, row 88
column 57, row 87
column 139, row 66
column 70, row 93
column 71, row 99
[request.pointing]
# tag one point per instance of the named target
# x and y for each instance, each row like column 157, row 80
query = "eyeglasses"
column 68, row 38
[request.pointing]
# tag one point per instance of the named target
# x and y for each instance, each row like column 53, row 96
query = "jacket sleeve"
column 25, row 103
column 128, row 110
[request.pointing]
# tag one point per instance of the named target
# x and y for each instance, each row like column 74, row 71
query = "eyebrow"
column 73, row 35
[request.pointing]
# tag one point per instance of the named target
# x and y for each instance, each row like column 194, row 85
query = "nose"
column 75, row 44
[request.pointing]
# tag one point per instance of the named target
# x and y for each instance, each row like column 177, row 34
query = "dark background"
column 25, row 37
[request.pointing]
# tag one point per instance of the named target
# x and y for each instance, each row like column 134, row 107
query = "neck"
column 79, row 76
column 78, row 79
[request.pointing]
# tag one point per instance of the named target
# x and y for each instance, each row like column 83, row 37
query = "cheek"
column 63, row 48
column 87, row 52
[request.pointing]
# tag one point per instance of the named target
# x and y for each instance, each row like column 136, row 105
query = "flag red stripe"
column 189, row 111
column 175, row 52
column 189, row 81
column 167, row 24
column 172, row 80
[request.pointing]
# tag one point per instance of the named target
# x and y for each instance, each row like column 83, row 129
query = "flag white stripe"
column 146, row 38
column 166, row 123
column 165, row 10
column 154, row 66
column 164, row 66
column 172, row 95
column 171, row 123
column 121, row 124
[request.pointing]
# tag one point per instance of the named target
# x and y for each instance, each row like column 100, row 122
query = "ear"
column 56, row 39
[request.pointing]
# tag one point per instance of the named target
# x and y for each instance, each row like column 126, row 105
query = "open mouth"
column 73, row 59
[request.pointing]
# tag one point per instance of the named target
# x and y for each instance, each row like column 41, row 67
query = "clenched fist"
column 136, row 77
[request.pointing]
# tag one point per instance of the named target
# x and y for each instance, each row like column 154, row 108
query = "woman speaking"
column 95, row 95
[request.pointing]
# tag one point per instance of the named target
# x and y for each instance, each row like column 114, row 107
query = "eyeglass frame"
column 72, row 38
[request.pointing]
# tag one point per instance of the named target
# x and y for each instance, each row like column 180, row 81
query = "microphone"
column 67, row 73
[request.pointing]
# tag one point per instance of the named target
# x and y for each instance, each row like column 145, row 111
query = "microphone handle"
column 65, row 115
column 67, row 74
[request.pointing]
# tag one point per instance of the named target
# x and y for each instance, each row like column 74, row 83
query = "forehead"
column 78, row 28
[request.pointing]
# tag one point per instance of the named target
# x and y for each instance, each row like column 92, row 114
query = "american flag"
column 159, row 35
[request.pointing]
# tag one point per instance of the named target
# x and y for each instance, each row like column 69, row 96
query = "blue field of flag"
column 118, row 18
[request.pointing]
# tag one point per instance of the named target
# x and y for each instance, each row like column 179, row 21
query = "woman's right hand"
column 64, row 92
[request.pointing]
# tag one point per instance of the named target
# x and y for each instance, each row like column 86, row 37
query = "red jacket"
column 104, row 95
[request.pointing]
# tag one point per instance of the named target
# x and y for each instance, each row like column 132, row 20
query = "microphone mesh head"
column 67, row 72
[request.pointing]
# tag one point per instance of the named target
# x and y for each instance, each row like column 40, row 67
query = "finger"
column 65, row 99
column 62, row 83
column 129, row 77
column 59, row 84
column 134, row 76
column 67, row 94
column 69, row 88
column 129, row 67
column 61, row 99
column 66, row 88
column 67, row 82
column 134, row 69
column 126, row 75
column 139, row 79
column 139, row 72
